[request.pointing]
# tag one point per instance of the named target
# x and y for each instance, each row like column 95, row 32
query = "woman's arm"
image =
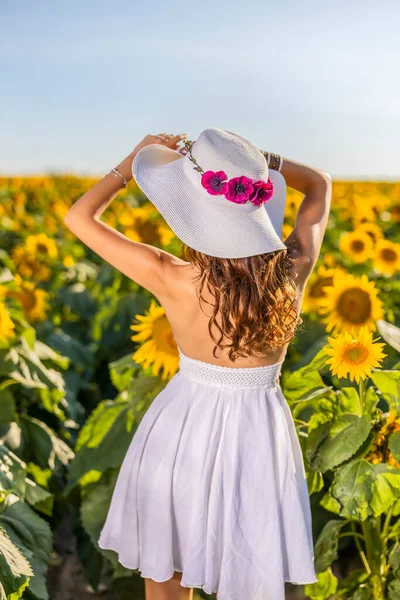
column 140, row 262
column 312, row 216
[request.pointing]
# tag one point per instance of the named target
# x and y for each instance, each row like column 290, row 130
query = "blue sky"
column 84, row 81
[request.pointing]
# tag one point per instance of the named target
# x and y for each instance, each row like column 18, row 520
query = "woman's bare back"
column 189, row 320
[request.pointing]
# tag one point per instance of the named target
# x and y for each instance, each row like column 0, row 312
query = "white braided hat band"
column 210, row 223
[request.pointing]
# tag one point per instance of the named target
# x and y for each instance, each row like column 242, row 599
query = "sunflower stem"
column 361, row 389
column 374, row 551
column 359, row 547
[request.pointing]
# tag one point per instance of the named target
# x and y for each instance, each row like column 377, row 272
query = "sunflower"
column 68, row 261
column 28, row 266
column 354, row 354
column 286, row 230
column 329, row 259
column 387, row 257
column 33, row 300
column 395, row 213
column 159, row 348
column 6, row 325
column 142, row 227
column 350, row 302
column 357, row 245
column 293, row 201
column 315, row 288
column 50, row 224
column 380, row 451
column 41, row 245
column 59, row 209
column 356, row 209
column 372, row 229
column 166, row 234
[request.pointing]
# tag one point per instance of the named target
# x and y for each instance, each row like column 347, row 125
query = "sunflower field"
column 84, row 351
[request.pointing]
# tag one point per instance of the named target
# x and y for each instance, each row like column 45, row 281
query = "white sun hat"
column 209, row 223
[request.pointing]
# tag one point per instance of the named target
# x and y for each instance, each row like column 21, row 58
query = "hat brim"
column 207, row 223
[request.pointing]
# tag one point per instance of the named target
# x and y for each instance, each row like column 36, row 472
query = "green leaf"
column 394, row 444
column 390, row 333
column 80, row 355
column 97, row 495
column 326, row 547
column 363, row 593
column 396, row 513
column 394, row 590
column 99, row 423
column 364, row 489
column 324, row 588
column 388, row 382
column 41, row 476
column 105, row 437
column 387, row 488
column 394, row 559
column 350, row 400
column 301, row 386
column 41, row 445
column 122, row 371
column 27, row 369
column 39, row 498
column 15, row 570
column 334, row 403
column 371, row 400
column 354, row 583
column 95, row 504
column 315, row 481
column 103, row 440
column 30, row 336
column 77, row 298
column 10, row 435
column 12, row 472
column 7, row 406
column 32, row 535
column 336, row 441
column 330, row 503
column 44, row 352
column 114, row 326
column 317, row 363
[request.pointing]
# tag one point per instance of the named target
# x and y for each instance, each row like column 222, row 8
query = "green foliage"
column 15, row 570
column 71, row 398
column 326, row 547
column 32, row 535
column 339, row 427
column 388, row 383
column 324, row 588
column 333, row 442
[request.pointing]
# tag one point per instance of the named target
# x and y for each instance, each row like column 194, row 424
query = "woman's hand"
column 165, row 139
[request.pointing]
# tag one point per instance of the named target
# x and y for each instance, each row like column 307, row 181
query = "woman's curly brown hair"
column 255, row 297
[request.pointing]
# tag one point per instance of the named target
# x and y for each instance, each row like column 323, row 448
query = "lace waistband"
column 233, row 377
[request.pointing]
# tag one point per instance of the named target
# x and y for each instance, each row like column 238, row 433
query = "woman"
column 212, row 491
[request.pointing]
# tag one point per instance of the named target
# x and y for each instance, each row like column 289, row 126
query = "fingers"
column 171, row 136
column 170, row 140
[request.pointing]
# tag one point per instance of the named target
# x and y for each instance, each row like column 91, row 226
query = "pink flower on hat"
column 263, row 191
column 215, row 182
column 240, row 189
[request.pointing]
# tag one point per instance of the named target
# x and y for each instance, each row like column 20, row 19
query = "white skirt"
column 213, row 486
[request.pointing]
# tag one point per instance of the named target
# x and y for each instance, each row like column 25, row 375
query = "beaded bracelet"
column 115, row 173
column 274, row 161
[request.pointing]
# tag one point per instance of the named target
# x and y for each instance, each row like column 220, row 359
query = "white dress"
column 213, row 485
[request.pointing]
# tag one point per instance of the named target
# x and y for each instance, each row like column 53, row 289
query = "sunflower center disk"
column 355, row 305
column 358, row 246
column 389, row 255
column 356, row 354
